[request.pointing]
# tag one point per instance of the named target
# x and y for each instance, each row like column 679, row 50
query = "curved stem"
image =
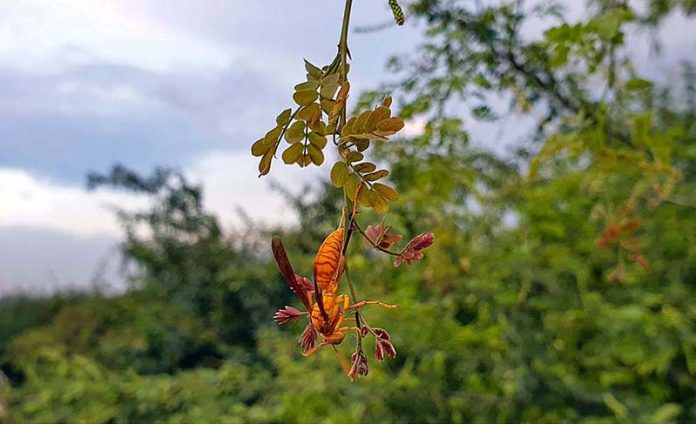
column 285, row 128
column 369, row 240
column 354, row 297
column 349, row 223
column 343, row 42
column 343, row 53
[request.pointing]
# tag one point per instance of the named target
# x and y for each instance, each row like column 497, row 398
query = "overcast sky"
column 89, row 83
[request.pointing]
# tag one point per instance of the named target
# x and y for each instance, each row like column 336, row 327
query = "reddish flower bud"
column 358, row 366
column 380, row 236
column 422, row 241
column 383, row 346
column 379, row 351
column 602, row 242
column 364, row 330
column 374, row 233
column 608, row 236
column 380, row 333
column 388, row 349
column 414, row 249
column 309, row 337
column 640, row 260
column 304, row 283
column 287, row 314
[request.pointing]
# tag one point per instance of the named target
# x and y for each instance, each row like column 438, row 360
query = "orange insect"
column 324, row 306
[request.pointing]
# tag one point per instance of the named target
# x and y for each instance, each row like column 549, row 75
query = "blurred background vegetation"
column 560, row 287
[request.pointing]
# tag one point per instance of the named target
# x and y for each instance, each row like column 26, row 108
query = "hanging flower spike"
column 388, row 349
column 286, row 315
column 358, row 366
column 379, row 235
column 383, row 346
column 381, row 334
column 414, row 250
column 379, row 352
column 309, row 337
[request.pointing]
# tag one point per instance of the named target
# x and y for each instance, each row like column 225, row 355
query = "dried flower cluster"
column 383, row 346
column 620, row 234
column 358, row 367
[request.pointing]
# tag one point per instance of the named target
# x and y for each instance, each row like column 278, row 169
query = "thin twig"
column 372, row 243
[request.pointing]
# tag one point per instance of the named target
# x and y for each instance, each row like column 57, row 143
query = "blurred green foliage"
column 559, row 287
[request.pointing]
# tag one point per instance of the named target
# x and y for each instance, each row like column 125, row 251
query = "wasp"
column 325, row 308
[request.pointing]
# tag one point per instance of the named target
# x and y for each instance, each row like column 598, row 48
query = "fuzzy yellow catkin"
column 398, row 13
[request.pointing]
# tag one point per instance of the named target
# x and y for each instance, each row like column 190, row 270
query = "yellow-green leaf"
column 315, row 154
column 348, row 128
column 339, row 173
column 327, row 106
column 317, row 140
column 309, row 113
column 351, row 185
column 305, row 97
column 379, row 114
column 387, row 192
column 259, row 147
column 284, row 117
column 307, row 85
column 312, row 70
column 393, row 124
column 362, row 145
column 354, row 157
column 374, row 176
column 295, row 133
column 359, row 124
column 271, row 136
column 364, row 197
column 377, row 202
column 365, row 167
column 265, row 164
column 387, row 101
column 331, row 79
column 303, row 161
column 328, row 91
column 292, row 153
column 317, row 125
column 330, row 129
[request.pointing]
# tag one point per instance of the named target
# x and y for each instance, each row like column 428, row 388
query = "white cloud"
column 229, row 181
column 414, row 127
column 29, row 201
